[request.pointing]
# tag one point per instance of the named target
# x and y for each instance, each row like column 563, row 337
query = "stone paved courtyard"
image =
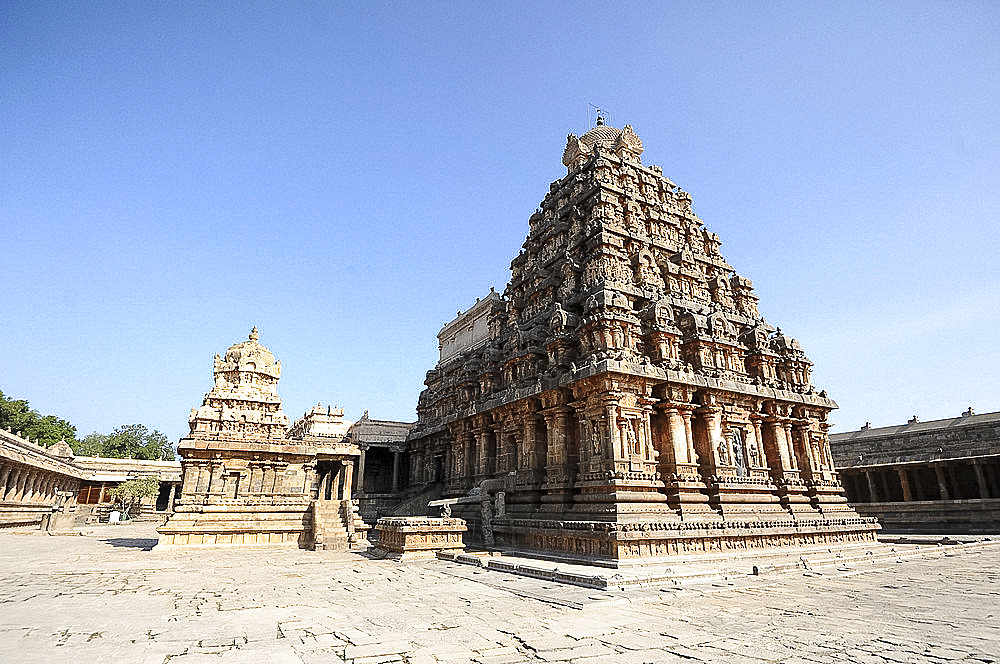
column 107, row 598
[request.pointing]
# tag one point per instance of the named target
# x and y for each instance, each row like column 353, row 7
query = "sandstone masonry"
column 624, row 399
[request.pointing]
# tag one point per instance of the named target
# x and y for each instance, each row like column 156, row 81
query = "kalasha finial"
column 600, row 120
column 253, row 334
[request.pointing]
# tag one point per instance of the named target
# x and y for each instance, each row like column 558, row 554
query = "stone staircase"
column 417, row 504
column 329, row 532
column 338, row 526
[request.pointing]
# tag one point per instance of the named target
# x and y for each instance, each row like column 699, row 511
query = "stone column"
column 780, row 445
column 686, row 415
column 556, row 426
column 24, row 484
column 800, row 439
column 942, row 482
column 5, row 470
column 348, row 480
column 790, row 442
column 713, row 434
column 22, row 480
column 395, row 472
column 192, row 479
column 267, row 481
column 360, row 482
column 29, row 490
column 255, row 479
column 872, row 491
column 752, row 444
column 610, row 438
column 12, row 480
column 170, row 500
column 337, row 481
column 29, row 485
column 216, row 482
column 534, row 462
column 984, row 487
column 677, row 437
column 204, row 478
column 904, row 482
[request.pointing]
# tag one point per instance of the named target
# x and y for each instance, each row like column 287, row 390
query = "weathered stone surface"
column 626, row 377
column 107, row 597
column 415, row 538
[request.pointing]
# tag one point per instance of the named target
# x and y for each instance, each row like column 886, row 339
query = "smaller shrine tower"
column 248, row 479
column 244, row 402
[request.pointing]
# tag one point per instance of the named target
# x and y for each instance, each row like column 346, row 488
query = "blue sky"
column 347, row 177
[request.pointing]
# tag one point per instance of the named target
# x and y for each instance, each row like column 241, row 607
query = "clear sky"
column 348, row 176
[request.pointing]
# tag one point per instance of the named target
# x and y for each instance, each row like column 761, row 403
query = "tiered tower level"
column 629, row 399
column 244, row 403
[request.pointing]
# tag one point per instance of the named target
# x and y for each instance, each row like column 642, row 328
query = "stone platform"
column 408, row 538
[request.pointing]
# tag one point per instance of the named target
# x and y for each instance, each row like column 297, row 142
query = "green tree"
column 129, row 494
column 17, row 416
column 91, row 445
column 135, row 441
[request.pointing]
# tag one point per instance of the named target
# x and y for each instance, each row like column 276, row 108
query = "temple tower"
column 628, row 379
column 243, row 403
column 244, row 480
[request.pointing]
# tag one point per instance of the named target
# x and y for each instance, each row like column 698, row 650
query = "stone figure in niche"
column 739, row 460
column 586, row 433
column 723, row 451
column 754, row 456
column 595, row 439
column 630, row 437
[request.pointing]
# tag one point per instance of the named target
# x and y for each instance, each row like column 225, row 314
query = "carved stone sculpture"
column 608, row 376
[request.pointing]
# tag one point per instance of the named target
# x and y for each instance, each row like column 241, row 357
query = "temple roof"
column 249, row 355
column 620, row 141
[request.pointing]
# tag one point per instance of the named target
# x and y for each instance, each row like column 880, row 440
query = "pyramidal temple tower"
column 624, row 394
column 248, row 478
column 244, row 403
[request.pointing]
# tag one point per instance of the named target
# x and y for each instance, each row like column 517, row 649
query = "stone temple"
column 249, row 478
column 624, row 400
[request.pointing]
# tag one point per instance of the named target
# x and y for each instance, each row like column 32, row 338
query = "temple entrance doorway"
column 330, row 476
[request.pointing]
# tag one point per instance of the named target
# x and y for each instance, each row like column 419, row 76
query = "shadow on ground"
column 141, row 543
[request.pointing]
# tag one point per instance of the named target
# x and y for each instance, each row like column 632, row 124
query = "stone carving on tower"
column 628, row 380
column 243, row 403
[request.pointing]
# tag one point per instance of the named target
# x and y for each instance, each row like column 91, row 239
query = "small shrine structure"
column 249, row 478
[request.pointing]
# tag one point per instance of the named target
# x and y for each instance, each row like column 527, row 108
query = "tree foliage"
column 129, row 494
column 133, row 441
column 17, row 416
column 130, row 441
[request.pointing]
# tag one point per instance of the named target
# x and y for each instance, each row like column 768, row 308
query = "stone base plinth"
column 243, row 525
column 418, row 538
column 616, row 544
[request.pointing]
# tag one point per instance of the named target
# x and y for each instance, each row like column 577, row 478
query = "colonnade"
column 945, row 479
column 205, row 479
column 23, row 483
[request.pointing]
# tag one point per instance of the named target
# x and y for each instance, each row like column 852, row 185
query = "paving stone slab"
column 84, row 600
